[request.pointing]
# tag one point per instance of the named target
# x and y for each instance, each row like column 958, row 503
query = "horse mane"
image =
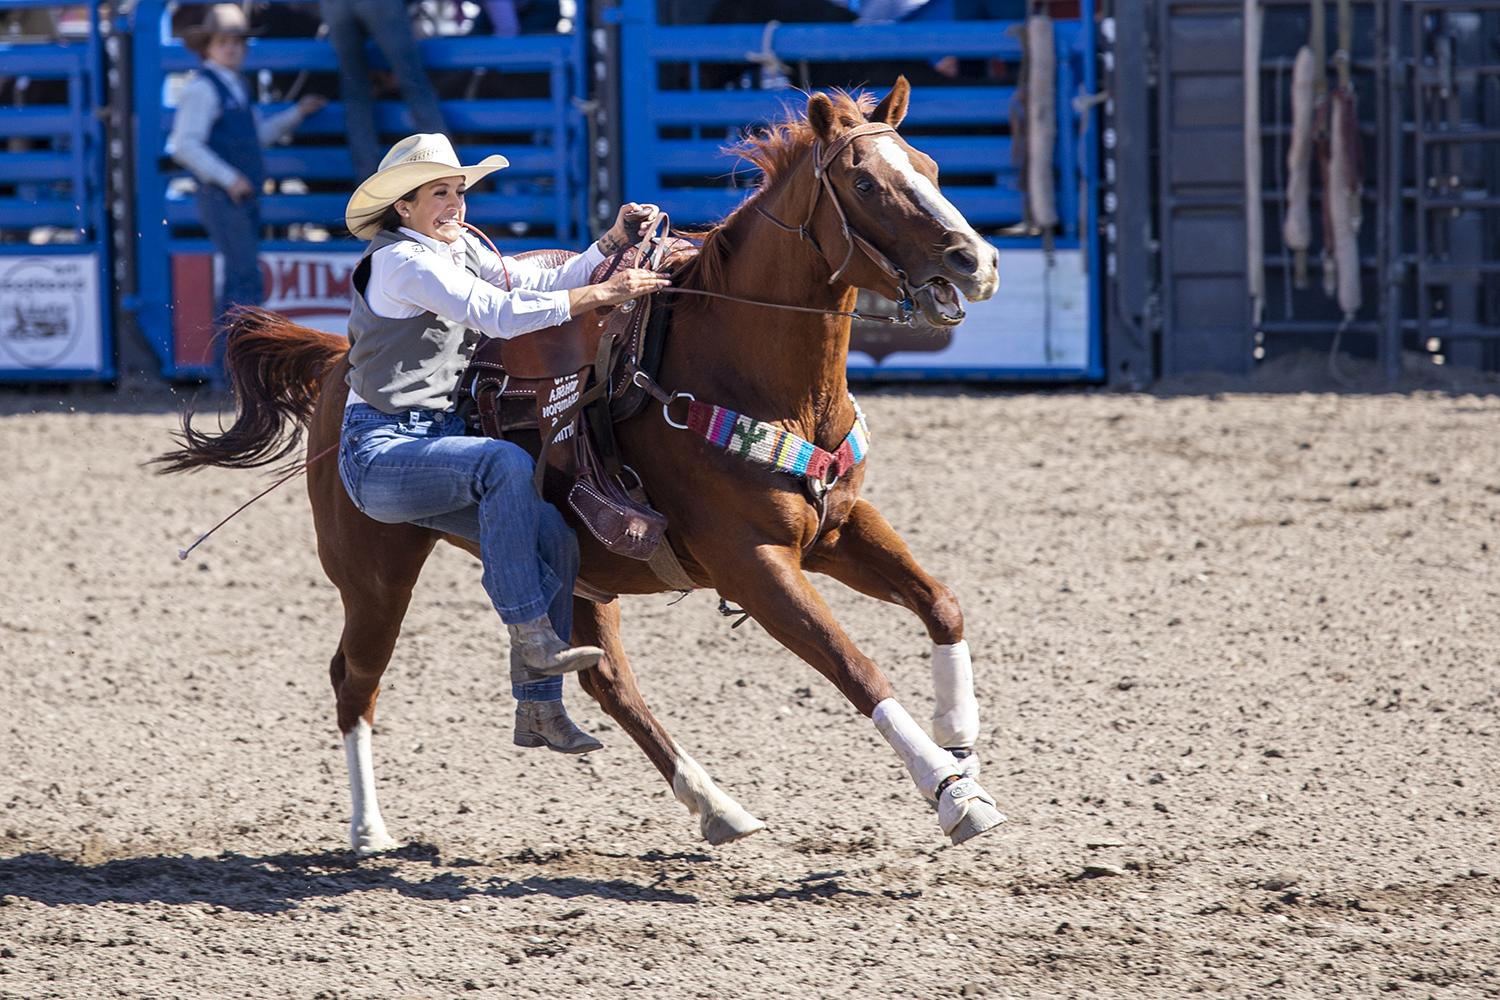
column 775, row 149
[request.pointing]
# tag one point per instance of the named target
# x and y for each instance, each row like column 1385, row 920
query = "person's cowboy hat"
column 221, row 19
column 411, row 163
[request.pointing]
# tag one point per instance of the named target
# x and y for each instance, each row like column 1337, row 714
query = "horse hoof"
column 727, row 827
column 967, row 759
column 965, row 811
column 371, row 842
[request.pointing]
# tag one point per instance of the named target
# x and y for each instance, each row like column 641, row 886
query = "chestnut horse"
column 845, row 203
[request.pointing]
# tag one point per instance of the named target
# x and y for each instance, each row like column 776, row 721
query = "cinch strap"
column 768, row 444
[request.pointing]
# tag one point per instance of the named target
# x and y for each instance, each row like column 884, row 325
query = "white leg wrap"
column 955, row 716
column 720, row 818
column 367, row 832
column 927, row 762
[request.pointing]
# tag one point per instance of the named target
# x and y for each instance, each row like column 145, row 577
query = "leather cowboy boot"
column 545, row 723
column 542, row 651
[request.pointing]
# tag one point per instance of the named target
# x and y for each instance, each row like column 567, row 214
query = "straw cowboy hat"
column 221, row 19
column 411, row 163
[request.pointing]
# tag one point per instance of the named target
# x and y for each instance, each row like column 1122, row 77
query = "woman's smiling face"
column 436, row 210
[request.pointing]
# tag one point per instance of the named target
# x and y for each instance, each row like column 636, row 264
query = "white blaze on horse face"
column 955, row 714
column 367, row 833
column 720, row 818
column 927, row 762
column 926, row 192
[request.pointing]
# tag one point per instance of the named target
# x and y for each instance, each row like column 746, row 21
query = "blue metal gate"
column 55, row 321
column 539, row 201
column 675, row 123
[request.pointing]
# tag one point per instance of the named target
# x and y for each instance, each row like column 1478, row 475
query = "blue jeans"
column 387, row 23
column 234, row 230
column 420, row 467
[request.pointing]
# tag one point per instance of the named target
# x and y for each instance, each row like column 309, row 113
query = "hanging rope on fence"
column 1296, row 229
column 1255, row 237
column 1343, row 185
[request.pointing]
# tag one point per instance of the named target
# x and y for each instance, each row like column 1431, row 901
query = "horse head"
column 882, row 197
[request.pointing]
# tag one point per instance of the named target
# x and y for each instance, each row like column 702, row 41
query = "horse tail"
column 275, row 371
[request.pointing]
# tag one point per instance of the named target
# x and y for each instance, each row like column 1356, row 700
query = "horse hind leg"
column 612, row 683
column 367, row 831
column 372, row 622
column 866, row 554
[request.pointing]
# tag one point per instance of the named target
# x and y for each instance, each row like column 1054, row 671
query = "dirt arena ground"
column 1235, row 656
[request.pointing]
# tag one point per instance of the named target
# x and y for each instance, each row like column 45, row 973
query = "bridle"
column 821, row 161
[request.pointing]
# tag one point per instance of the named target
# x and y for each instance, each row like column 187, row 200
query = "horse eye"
column 863, row 185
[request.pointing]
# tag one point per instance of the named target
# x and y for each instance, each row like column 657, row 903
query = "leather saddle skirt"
column 561, row 390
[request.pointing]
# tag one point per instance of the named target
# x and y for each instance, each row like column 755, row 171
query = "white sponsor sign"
column 1038, row 319
column 49, row 313
column 310, row 288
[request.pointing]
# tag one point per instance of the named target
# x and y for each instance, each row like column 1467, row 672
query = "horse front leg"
column 866, row 554
column 612, row 684
column 770, row 585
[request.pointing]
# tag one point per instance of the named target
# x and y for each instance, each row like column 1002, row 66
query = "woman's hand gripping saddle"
column 569, row 384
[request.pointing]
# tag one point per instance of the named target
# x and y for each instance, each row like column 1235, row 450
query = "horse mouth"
column 939, row 303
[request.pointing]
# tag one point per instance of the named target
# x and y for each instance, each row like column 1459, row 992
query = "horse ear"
column 821, row 117
column 893, row 108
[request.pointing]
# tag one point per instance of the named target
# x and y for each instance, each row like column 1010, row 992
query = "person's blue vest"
column 233, row 136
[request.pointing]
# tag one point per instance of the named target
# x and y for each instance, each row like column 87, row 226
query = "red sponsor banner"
column 311, row 288
column 192, row 309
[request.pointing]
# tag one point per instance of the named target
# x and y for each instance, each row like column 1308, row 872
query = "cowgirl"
column 422, row 294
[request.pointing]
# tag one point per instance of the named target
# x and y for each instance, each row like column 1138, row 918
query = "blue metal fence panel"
column 55, row 302
column 539, row 201
column 675, row 128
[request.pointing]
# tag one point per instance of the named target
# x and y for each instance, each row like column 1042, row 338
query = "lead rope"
column 489, row 243
column 183, row 553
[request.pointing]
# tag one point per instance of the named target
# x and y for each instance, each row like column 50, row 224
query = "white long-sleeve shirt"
column 411, row 278
column 198, row 108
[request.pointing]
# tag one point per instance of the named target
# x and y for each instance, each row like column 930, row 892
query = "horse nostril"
column 962, row 261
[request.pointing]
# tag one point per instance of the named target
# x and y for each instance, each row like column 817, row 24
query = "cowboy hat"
column 221, row 19
column 411, row 163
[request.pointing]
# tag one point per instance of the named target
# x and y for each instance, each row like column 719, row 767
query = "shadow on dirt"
column 275, row 883
column 818, row 885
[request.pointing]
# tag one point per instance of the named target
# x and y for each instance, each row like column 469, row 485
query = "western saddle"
column 569, row 385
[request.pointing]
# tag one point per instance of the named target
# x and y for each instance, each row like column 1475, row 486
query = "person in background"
column 217, row 134
column 350, row 23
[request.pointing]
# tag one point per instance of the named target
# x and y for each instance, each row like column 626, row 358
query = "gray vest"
column 404, row 364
